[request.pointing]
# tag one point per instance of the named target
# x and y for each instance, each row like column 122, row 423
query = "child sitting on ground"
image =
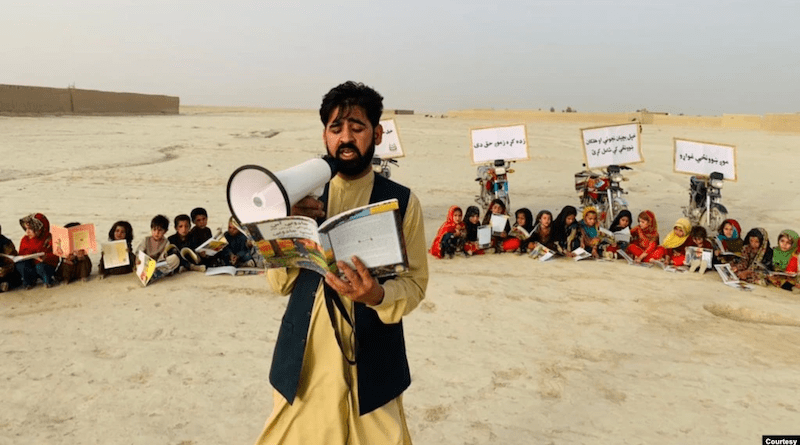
column 451, row 235
column 520, row 231
column 593, row 240
column 566, row 231
column 155, row 246
column 644, row 238
column 784, row 259
column 472, row 220
column 542, row 235
column 673, row 249
column 9, row 277
column 121, row 230
column 200, row 233
column 75, row 266
column 621, row 224
column 238, row 251
column 756, row 256
column 730, row 238
column 182, row 244
column 37, row 239
column 497, row 207
column 699, row 238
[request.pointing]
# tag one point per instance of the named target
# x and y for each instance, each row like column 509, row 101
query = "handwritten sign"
column 611, row 145
column 509, row 143
column 389, row 147
column 703, row 158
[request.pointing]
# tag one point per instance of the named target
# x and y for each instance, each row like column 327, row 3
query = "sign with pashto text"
column 704, row 158
column 509, row 143
column 611, row 145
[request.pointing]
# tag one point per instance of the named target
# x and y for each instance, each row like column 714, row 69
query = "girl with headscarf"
column 566, row 231
column 756, row 256
column 673, row 249
column 497, row 207
column 472, row 220
column 520, row 231
column 621, row 224
column 542, row 233
column 644, row 238
column 37, row 239
column 729, row 235
column 120, row 230
column 453, row 227
column 592, row 239
column 784, row 259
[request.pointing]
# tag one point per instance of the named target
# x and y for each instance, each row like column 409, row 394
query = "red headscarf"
column 651, row 232
column 41, row 242
column 449, row 226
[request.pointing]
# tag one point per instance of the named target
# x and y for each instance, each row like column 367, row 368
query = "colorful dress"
column 785, row 261
column 449, row 227
column 644, row 240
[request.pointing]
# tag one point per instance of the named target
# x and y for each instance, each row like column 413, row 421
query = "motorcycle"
column 603, row 191
column 381, row 166
column 493, row 181
column 704, row 207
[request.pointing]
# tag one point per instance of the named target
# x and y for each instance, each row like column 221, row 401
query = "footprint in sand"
column 750, row 315
column 436, row 413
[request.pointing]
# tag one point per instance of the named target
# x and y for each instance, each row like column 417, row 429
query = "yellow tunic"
column 325, row 410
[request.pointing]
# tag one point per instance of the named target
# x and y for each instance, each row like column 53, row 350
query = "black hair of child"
column 160, row 221
column 198, row 211
column 182, row 217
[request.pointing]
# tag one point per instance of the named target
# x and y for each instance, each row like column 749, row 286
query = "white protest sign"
column 509, row 143
column 611, row 145
column 703, row 158
column 389, row 147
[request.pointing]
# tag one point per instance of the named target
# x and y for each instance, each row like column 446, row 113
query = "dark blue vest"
column 382, row 365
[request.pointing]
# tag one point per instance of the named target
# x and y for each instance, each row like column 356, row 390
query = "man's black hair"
column 352, row 94
column 182, row 217
column 160, row 221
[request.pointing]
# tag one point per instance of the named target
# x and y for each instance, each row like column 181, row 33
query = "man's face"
column 351, row 139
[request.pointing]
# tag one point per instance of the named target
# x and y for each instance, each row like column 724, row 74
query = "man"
column 339, row 367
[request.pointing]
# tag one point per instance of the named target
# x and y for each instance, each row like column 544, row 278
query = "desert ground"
column 504, row 349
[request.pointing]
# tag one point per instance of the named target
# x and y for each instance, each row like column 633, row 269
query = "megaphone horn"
column 256, row 194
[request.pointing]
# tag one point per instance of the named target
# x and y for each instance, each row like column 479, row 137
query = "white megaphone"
column 256, row 194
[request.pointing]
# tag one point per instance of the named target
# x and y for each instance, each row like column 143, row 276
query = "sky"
column 682, row 57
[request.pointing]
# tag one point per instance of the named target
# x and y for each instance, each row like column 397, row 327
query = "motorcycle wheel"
column 484, row 198
column 715, row 219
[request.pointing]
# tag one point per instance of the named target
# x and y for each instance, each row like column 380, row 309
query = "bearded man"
column 339, row 368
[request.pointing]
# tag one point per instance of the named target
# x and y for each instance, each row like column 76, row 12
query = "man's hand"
column 360, row 285
column 310, row 207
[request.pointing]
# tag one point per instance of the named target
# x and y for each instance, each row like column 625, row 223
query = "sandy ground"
column 504, row 350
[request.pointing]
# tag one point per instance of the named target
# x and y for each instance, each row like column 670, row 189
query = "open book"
column 484, row 236
column 498, row 223
column 212, row 246
column 623, row 235
column 18, row 258
column 520, row 232
column 723, row 251
column 698, row 254
column 542, row 253
column 630, row 260
column 115, row 254
column 67, row 240
column 373, row 233
column 581, row 254
column 729, row 277
column 147, row 268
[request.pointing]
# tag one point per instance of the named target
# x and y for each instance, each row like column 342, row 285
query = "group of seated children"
column 175, row 253
column 750, row 258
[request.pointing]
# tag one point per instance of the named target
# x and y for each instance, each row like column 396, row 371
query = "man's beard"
column 356, row 166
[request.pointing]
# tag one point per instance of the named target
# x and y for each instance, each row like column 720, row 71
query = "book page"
column 292, row 241
column 82, row 238
column 726, row 273
column 498, row 223
column 115, row 254
column 484, row 236
column 374, row 239
column 623, row 236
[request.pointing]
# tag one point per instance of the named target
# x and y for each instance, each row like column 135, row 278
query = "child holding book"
column 699, row 237
column 520, row 231
column 672, row 250
column 621, row 224
column 181, row 244
column 200, row 233
column 9, row 277
column 756, row 256
column 120, row 230
column 543, row 233
column 729, row 235
column 592, row 239
column 566, row 231
column 75, row 266
column 497, row 207
column 472, row 220
column 784, row 259
column 451, row 235
column 238, row 251
column 644, row 238
column 155, row 246
column 37, row 239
